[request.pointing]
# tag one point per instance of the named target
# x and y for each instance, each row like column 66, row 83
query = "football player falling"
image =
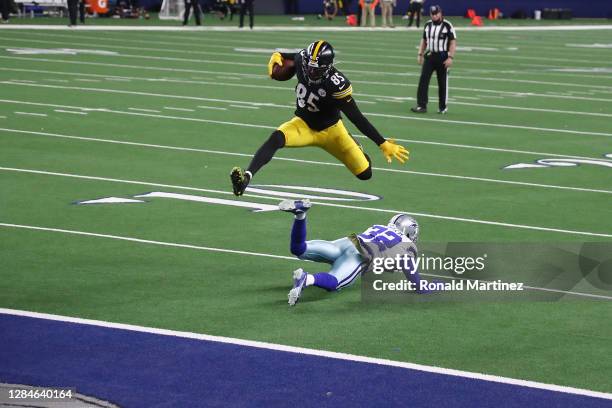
column 322, row 93
column 349, row 256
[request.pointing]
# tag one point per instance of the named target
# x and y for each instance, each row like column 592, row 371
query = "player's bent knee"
column 298, row 249
column 366, row 174
column 276, row 139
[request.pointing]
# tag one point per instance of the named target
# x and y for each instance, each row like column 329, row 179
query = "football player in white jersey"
column 349, row 256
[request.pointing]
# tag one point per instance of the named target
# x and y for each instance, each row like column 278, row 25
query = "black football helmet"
column 318, row 60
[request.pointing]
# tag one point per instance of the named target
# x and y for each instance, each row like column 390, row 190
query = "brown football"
column 284, row 72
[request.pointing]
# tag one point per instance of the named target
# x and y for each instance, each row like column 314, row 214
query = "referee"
column 436, row 53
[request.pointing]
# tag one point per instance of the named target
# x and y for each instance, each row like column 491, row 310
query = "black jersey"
column 318, row 103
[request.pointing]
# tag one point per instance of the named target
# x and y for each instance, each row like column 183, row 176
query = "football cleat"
column 295, row 206
column 419, row 109
column 443, row 111
column 240, row 180
column 299, row 281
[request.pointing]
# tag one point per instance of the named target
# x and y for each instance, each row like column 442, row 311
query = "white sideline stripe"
column 74, row 113
column 261, row 254
column 30, row 113
column 290, row 28
column 443, row 217
column 311, row 352
column 454, row 145
column 460, row 122
column 471, row 178
column 144, row 110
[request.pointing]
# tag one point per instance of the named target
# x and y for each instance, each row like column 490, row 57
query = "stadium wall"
column 591, row 8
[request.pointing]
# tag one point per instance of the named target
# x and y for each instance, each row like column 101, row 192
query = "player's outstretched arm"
column 389, row 148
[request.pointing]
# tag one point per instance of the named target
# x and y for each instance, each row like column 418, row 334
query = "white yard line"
column 144, row 110
column 244, row 106
column 72, row 112
column 259, row 254
column 519, row 183
column 31, row 114
column 211, row 107
column 179, row 109
column 374, row 73
column 289, row 89
column 416, row 141
column 459, row 122
column 391, row 211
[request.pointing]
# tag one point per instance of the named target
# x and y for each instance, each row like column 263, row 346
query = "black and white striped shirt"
column 438, row 36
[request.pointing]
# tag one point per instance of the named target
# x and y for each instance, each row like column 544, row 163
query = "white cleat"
column 295, row 206
column 299, row 281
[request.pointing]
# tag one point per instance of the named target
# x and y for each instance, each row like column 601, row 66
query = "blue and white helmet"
column 406, row 225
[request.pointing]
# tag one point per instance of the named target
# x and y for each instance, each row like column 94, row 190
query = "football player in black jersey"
column 322, row 93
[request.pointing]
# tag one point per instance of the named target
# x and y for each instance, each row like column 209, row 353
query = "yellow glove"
column 276, row 58
column 390, row 149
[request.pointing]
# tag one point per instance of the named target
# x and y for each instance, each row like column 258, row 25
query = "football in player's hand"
column 284, row 72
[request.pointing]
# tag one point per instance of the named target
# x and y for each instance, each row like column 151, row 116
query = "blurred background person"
column 368, row 8
column 74, row 6
column 415, row 8
column 387, row 12
column 4, row 10
column 197, row 12
column 246, row 5
column 291, row 6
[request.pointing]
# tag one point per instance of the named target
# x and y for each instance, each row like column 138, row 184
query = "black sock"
column 266, row 151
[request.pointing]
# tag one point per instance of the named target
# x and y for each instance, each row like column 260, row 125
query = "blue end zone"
column 134, row 369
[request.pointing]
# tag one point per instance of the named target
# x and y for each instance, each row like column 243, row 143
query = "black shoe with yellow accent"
column 240, row 180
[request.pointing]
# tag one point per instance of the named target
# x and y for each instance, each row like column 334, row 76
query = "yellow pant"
column 335, row 140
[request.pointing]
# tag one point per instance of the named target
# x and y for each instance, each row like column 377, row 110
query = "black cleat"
column 419, row 109
column 240, row 180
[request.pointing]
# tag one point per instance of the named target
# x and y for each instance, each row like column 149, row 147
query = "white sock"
column 309, row 279
column 300, row 216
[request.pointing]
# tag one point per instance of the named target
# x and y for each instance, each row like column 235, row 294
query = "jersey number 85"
column 305, row 98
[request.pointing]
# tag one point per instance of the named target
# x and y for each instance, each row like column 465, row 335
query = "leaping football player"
column 349, row 256
column 322, row 93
